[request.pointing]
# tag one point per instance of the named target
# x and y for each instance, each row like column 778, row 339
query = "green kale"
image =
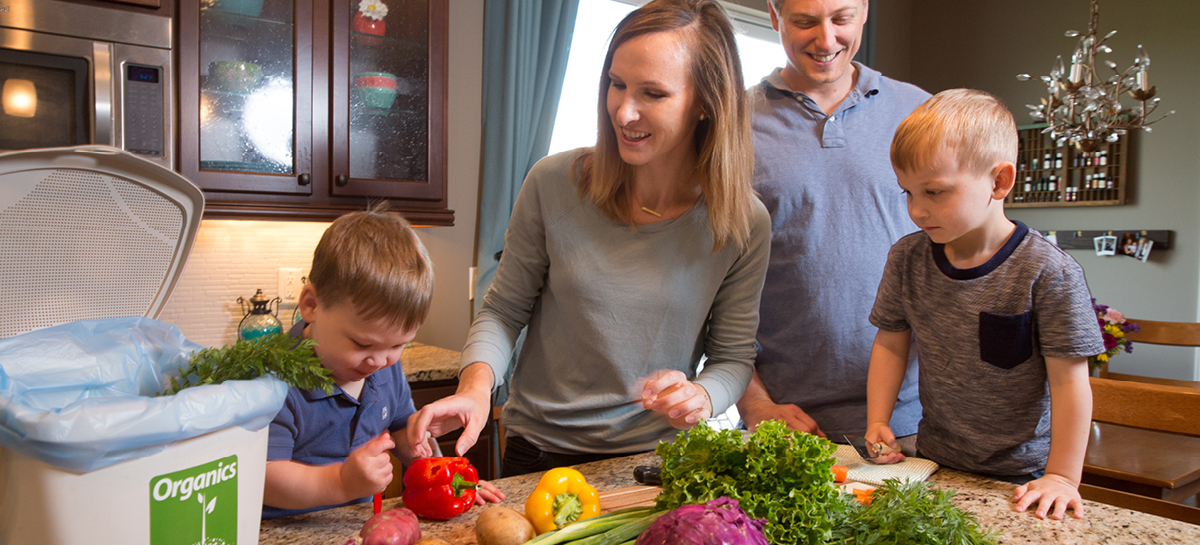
column 913, row 513
column 292, row 361
column 780, row 475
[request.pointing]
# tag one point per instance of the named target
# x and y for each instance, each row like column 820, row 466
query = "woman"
column 628, row 262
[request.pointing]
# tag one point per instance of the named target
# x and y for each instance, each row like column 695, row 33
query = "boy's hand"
column 1050, row 491
column 487, row 492
column 368, row 470
column 671, row 394
column 879, row 432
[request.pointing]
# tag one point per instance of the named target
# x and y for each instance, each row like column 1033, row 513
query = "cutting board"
column 630, row 496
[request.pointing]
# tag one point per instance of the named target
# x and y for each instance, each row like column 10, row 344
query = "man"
column 823, row 127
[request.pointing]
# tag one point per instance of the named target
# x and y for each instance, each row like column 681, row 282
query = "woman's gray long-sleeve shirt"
column 607, row 305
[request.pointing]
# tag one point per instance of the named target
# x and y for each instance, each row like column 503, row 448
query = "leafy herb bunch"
column 780, row 475
column 292, row 361
column 909, row 514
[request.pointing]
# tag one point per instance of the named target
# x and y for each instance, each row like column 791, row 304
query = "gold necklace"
column 649, row 211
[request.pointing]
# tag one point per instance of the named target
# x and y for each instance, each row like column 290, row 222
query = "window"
column 575, row 122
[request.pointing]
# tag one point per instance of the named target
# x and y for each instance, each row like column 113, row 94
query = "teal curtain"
column 525, row 47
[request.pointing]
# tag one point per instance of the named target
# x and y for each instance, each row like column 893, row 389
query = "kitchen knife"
column 647, row 475
column 868, row 452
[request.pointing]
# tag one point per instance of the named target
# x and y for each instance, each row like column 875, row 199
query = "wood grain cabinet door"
column 308, row 109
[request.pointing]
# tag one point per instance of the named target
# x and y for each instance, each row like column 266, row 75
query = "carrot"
column 862, row 496
column 839, row 473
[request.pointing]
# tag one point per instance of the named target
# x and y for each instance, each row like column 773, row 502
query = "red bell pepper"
column 440, row 488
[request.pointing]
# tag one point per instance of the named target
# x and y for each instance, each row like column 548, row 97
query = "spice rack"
column 1051, row 175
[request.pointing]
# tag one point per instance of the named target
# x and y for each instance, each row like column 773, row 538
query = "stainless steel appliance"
column 73, row 74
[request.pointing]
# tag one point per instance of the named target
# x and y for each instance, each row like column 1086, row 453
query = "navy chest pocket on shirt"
column 1005, row 341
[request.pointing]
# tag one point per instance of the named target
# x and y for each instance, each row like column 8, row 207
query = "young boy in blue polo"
column 368, row 291
column 1002, row 318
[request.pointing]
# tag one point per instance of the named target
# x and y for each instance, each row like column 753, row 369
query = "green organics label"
column 195, row 506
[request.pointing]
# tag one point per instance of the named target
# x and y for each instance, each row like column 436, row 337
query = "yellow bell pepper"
column 560, row 498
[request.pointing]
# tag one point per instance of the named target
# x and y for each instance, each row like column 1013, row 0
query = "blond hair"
column 724, row 149
column 374, row 261
column 973, row 125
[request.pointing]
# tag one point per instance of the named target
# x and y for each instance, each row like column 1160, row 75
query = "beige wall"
column 985, row 43
column 233, row 258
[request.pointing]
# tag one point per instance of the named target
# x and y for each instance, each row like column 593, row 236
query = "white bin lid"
column 90, row 232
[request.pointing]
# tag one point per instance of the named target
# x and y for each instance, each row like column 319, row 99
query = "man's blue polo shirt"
column 836, row 210
column 319, row 429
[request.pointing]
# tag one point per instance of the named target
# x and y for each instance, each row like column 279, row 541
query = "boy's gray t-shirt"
column 982, row 335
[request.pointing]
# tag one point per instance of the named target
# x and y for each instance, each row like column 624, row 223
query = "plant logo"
column 195, row 506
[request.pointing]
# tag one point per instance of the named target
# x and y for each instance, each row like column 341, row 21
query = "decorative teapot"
column 258, row 320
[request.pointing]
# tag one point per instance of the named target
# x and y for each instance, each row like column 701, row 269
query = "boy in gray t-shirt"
column 1002, row 318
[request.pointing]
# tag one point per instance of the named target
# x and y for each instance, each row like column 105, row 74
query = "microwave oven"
column 74, row 74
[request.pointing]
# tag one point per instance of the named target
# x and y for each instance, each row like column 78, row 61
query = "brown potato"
column 502, row 526
column 431, row 541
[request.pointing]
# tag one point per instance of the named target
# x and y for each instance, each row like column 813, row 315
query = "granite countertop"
column 425, row 363
column 987, row 498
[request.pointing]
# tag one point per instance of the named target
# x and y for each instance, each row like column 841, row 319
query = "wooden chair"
column 1145, row 440
column 1173, row 409
column 1125, row 500
column 1161, row 333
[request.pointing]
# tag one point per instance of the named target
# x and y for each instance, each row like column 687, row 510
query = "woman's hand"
column 670, row 393
column 468, row 408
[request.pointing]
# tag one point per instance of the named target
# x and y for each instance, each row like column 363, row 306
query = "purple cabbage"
column 718, row 522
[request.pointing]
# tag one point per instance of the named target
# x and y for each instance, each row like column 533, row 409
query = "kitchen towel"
column 911, row 469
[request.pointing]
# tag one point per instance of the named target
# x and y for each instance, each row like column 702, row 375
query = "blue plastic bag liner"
column 80, row 396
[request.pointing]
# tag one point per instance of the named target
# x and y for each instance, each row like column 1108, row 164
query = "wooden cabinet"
column 308, row 109
column 1052, row 175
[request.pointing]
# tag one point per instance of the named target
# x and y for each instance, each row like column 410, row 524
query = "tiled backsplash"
column 231, row 259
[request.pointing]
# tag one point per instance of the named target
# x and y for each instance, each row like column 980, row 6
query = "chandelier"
column 1082, row 107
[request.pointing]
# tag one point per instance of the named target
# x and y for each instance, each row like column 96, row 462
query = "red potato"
column 397, row 526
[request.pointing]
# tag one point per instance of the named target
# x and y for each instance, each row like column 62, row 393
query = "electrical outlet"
column 289, row 285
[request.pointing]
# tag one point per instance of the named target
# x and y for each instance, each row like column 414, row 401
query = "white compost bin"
column 93, row 232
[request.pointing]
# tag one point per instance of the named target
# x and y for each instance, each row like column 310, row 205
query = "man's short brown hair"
column 975, row 126
column 374, row 261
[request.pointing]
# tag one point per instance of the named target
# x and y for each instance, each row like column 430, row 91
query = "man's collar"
column 866, row 85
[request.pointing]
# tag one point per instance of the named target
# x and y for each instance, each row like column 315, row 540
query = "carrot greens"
column 286, row 358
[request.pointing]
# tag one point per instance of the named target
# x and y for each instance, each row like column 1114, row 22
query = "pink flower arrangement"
column 1113, row 328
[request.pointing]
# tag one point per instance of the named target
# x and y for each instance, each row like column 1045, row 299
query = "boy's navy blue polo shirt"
column 319, row 429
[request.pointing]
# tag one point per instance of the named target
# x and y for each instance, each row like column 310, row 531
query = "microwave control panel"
column 142, row 108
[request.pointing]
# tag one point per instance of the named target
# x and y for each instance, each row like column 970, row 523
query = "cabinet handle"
column 304, row 179
column 341, row 180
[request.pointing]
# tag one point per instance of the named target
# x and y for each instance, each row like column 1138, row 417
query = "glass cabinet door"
column 382, row 99
column 253, row 102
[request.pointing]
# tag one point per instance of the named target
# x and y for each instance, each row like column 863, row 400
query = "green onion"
column 597, row 525
column 622, row 533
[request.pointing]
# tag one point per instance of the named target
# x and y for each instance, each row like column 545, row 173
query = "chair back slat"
column 1162, row 508
column 1169, row 333
column 1151, row 406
